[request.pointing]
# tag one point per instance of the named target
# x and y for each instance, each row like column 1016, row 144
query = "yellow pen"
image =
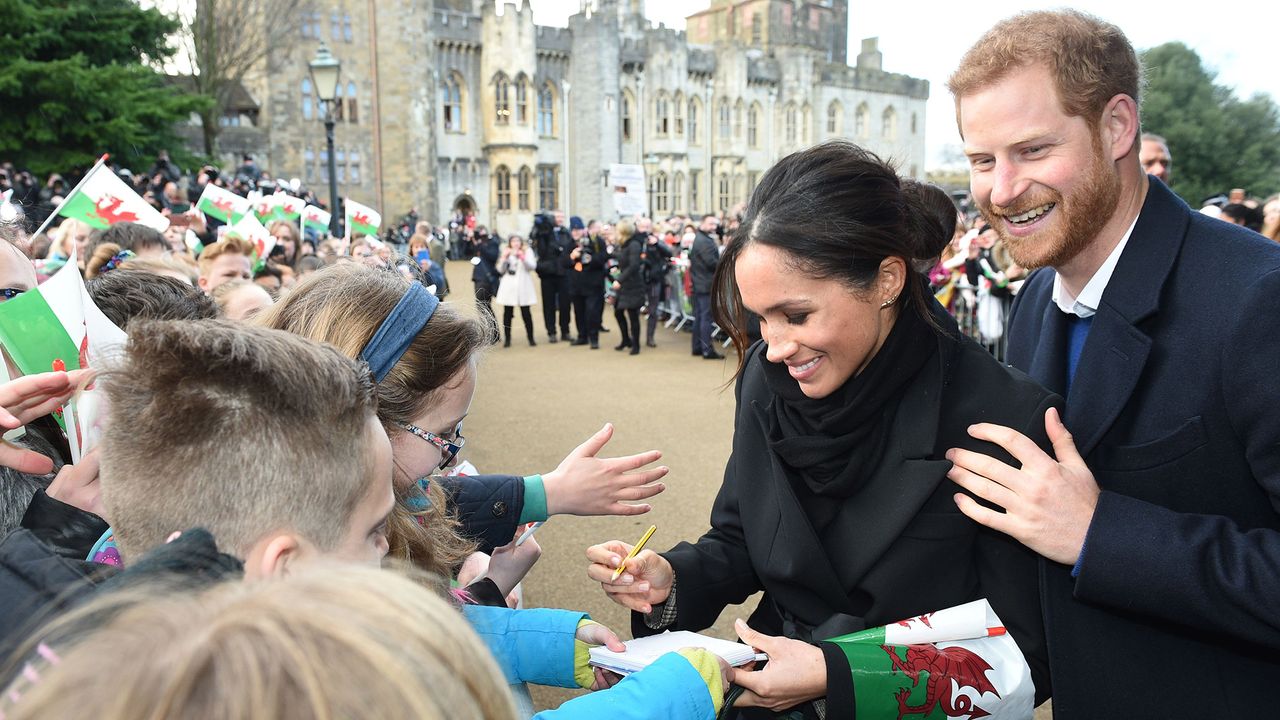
column 634, row 551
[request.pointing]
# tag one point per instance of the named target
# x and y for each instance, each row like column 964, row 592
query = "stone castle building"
column 461, row 106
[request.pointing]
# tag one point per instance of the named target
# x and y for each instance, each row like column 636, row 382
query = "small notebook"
column 643, row 651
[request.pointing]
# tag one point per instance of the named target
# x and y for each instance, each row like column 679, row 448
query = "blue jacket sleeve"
column 669, row 688
column 488, row 506
column 534, row 646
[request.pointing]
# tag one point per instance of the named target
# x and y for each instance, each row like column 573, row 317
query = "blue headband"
column 399, row 329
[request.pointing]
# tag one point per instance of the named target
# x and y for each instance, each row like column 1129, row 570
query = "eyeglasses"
column 449, row 449
column 10, row 293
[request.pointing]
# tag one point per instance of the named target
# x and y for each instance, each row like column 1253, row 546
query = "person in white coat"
column 515, row 288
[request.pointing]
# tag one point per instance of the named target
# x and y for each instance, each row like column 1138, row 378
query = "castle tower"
column 508, row 107
column 595, row 76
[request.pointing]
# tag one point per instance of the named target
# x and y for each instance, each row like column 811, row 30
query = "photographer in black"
column 586, row 267
column 484, row 250
column 552, row 243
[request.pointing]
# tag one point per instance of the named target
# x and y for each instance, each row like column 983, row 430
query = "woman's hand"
column 27, row 399
column 584, row 484
column 77, row 485
column 645, row 582
column 796, row 672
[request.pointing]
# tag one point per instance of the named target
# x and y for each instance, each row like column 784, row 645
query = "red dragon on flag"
column 106, row 208
column 942, row 666
column 360, row 218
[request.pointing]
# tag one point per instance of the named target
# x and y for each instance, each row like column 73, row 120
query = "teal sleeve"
column 535, row 500
column 669, row 689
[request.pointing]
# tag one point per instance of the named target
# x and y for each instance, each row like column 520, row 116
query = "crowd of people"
column 252, row 505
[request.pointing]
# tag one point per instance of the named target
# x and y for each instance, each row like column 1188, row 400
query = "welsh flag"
column 248, row 228
column 316, row 219
column 362, row 219
column 222, row 204
column 102, row 200
column 949, row 664
column 284, row 207
column 58, row 327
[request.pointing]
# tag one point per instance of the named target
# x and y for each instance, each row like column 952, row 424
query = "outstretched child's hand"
column 584, row 484
column 27, row 399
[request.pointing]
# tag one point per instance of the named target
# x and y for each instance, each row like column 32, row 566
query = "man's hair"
column 127, row 294
column 243, row 431
column 326, row 641
column 230, row 245
column 1090, row 60
column 129, row 236
column 1152, row 137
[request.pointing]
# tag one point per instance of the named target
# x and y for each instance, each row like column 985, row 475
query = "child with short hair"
column 228, row 259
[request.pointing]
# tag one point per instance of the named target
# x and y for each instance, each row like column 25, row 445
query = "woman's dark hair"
column 836, row 211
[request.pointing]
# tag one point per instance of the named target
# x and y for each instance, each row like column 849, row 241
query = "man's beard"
column 1084, row 213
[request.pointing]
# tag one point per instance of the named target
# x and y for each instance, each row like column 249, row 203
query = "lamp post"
column 325, row 70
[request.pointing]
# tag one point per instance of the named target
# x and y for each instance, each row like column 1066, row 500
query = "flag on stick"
column 361, row 219
column 285, row 207
column 316, row 219
column 249, row 229
column 57, row 326
column 102, row 200
column 222, row 204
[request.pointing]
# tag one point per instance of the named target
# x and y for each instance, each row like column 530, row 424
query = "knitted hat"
column 575, row 223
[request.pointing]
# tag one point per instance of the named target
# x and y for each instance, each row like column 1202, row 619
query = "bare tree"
column 225, row 40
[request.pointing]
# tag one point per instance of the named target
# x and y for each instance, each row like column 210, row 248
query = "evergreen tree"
column 77, row 80
column 1217, row 141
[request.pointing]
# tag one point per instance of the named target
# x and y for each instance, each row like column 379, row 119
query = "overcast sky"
column 1241, row 45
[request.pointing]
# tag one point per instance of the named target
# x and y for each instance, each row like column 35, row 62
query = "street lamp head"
column 325, row 69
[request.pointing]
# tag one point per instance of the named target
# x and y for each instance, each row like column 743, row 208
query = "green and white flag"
column 249, row 229
column 315, row 218
column 222, row 204
column 361, row 219
column 284, row 207
column 102, row 200
column 57, row 326
column 944, row 665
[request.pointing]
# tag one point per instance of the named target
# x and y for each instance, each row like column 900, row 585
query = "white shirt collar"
column 1091, row 296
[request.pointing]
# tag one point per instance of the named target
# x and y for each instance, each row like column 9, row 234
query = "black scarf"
column 834, row 443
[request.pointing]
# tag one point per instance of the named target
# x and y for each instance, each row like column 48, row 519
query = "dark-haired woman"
column 836, row 501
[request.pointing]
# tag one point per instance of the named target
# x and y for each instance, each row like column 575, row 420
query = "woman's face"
column 416, row 458
column 284, row 239
column 515, row 243
column 824, row 332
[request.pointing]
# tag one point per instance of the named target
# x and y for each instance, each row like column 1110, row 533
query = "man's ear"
column 202, row 282
column 274, row 556
column 1120, row 126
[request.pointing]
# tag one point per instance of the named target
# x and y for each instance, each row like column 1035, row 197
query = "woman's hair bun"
column 931, row 218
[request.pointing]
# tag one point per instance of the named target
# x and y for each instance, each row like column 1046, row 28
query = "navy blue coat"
column 1176, row 610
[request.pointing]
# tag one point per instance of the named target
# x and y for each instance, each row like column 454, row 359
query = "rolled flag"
column 222, row 204
column 248, row 228
column 57, row 326
column 316, row 219
column 361, row 219
column 285, row 207
column 953, row 663
column 102, row 200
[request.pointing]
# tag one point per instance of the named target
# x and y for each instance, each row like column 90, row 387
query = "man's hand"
column 796, row 672
column 1048, row 503
column 584, row 484
column 645, row 583
column 27, row 399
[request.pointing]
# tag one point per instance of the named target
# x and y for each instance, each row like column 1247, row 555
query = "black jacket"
column 657, row 257
column 898, row 548
column 703, row 258
column 587, row 277
column 1174, row 613
column 488, row 506
column 551, row 250
column 485, row 272
column 632, row 289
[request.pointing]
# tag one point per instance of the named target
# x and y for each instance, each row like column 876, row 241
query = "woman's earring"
column 889, row 302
